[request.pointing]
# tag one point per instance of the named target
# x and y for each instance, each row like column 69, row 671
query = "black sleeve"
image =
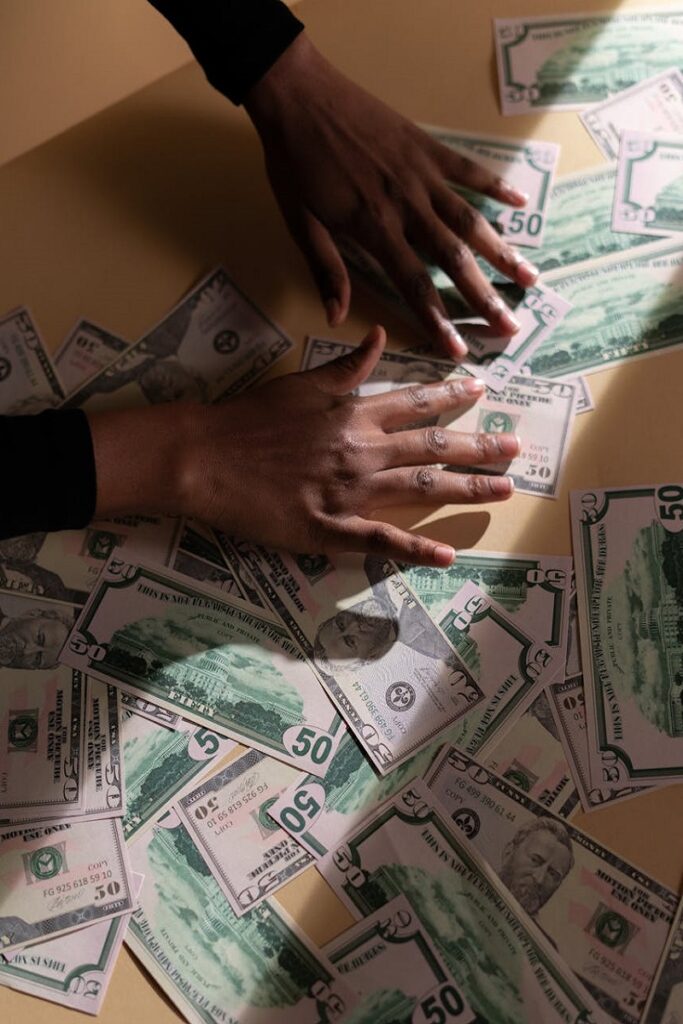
column 48, row 473
column 235, row 41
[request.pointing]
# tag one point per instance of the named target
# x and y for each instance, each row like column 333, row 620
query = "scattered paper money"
column 528, row 166
column 60, row 877
column 594, row 907
column 386, row 665
column 568, row 61
column 214, row 344
column 391, row 961
column 198, row 555
column 627, row 546
column 217, row 661
column 153, row 712
column 507, row 969
column 73, row 970
column 227, row 817
column 28, row 382
column 655, row 104
column 624, row 307
column 85, row 351
column 214, row 966
column 160, row 765
column 648, row 198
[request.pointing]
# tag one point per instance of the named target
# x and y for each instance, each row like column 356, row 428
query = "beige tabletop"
column 116, row 218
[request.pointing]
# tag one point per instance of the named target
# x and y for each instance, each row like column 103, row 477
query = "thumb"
column 344, row 374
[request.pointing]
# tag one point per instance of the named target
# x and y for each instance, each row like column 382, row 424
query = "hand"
column 342, row 164
column 299, row 463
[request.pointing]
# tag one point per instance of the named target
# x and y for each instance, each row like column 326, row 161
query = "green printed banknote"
column 607, row 919
column 655, row 103
column 569, row 61
column 624, row 306
column 217, row 661
column 28, row 381
column 147, row 709
column 506, row 969
column 73, row 970
column 199, row 556
column 214, row 344
column 159, row 764
column 384, row 662
column 227, row 816
column 59, row 877
column 628, row 547
column 215, row 967
column 390, row 959
column 528, row 166
column 665, row 1003
column 648, row 197
column 85, row 351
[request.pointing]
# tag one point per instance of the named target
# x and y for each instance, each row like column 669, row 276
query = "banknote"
column 579, row 221
column 648, row 197
column 214, row 966
column 85, row 351
column 387, row 666
column 217, row 661
column 540, row 411
column 628, row 545
column 104, row 790
column 159, row 765
column 63, row 566
column 665, row 1002
column 627, row 306
column 507, row 970
column 212, row 345
column 42, row 722
column 584, row 399
column 227, row 817
column 654, row 103
column 568, row 61
column 28, row 382
column 234, row 552
column 510, row 665
column 60, row 877
column 607, row 919
column 531, row 756
column 198, row 555
column 528, row 166
column 391, row 961
column 73, row 970
column 147, row 709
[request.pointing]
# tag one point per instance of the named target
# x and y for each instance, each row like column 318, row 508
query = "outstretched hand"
column 343, row 165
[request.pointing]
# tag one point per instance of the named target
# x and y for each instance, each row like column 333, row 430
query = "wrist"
column 144, row 459
column 296, row 68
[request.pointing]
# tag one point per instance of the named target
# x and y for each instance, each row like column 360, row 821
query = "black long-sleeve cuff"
column 235, row 41
column 48, row 474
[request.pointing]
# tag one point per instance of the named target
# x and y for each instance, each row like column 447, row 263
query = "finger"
column 412, row 279
column 461, row 170
column 387, row 541
column 431, row 486
column 423, row 401
column 323, row 258
column 451, row 252
column 474, row 229
column 344, row 374
column 452, row 447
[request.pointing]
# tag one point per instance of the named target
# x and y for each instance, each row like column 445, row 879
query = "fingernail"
column 501, row 313
column 526, row 271
column 502, row 484
column 443, row 554
column 509, row 444
column 455, row 342
column 473, row 386
column 333, row 308
column 516, row 193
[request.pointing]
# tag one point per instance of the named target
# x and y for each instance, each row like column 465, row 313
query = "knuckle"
column 456, row 256
column 477, row 487
column 482, row 447
column 466, row 221
column 424, row 480
column 346, row 450
column 435, row 440
column 380, row 538
column 418, row 397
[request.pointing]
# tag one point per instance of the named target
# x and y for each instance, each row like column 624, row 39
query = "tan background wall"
column 64, row 60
